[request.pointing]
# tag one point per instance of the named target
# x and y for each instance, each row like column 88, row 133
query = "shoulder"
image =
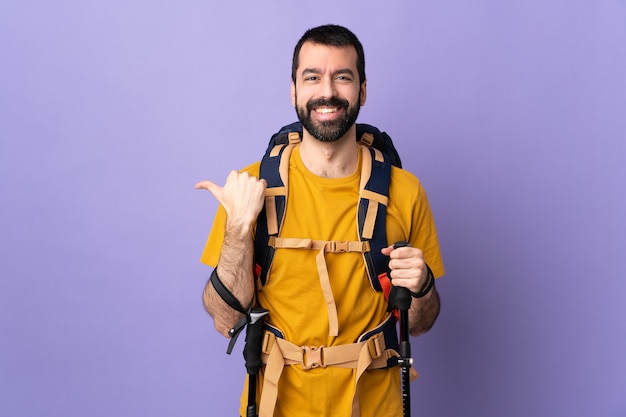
column 252, row 169
column 403, row 181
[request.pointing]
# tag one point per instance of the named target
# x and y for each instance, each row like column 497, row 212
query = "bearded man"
column 327, row 90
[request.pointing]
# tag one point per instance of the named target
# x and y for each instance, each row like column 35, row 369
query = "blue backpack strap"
column 390, row 333
column 274, row 169
column 372, row 212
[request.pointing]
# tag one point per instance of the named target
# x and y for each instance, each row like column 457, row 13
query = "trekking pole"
column 401, row 299
column 252, row 355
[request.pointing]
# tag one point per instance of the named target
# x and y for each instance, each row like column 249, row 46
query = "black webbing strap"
column 225, row 293
column 233, row 303
column 236, row 331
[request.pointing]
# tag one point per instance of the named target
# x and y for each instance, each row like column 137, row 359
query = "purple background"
column 513, row 114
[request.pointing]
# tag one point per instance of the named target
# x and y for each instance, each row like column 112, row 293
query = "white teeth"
column 326, row 110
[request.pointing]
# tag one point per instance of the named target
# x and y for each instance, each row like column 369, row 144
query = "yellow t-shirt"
column 325, row 209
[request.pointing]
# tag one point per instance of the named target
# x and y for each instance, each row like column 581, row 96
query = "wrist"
column 430, row 283
column 239, row 228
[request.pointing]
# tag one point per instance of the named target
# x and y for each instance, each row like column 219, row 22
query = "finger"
column 397, row 253
column 204, row 184
column 404, row 273
column 387, row 251
column 406, row 253
column 407, row 264
column 215, row 189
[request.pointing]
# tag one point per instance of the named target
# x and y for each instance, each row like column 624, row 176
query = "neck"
column 330, row 159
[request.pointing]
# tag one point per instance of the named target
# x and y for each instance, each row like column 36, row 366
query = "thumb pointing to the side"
column 215, row 189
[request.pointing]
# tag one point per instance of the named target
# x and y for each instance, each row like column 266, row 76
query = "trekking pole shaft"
column 405, row 362
column 251, row 409
column 403, row 303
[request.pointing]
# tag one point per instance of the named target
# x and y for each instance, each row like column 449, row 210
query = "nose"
column 327, row 88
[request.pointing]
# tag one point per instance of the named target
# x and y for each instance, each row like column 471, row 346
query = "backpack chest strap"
column 322, row 247
column 332, row 246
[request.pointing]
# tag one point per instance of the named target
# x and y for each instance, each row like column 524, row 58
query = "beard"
column 328, row 130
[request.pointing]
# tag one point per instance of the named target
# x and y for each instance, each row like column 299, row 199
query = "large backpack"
column 374, row 193
column 371, row 217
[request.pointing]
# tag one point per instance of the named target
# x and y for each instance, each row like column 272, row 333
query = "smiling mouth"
column 327, row 110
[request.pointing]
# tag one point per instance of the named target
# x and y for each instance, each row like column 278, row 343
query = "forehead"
column 326, row 57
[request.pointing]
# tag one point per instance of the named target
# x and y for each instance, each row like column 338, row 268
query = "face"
column 327, row 93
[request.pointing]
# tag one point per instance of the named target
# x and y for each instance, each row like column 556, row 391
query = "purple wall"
column 512, row 113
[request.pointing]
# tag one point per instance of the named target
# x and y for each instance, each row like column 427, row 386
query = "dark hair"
column 330, row 35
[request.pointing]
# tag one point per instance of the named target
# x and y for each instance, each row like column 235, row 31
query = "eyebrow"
column 319, row 71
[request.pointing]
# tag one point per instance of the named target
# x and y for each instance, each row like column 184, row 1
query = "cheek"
column 299, row 97
column 353, row 96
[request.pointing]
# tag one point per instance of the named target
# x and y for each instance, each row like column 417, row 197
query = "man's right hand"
column 242, row 197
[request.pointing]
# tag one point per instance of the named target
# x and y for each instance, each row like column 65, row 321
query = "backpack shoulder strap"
column 374, row 138
column 275, row 171
column 372, row 212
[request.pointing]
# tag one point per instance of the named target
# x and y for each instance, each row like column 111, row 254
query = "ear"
column 363, row 93
column 293, row 94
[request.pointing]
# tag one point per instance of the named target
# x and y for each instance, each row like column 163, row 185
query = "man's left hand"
column 408, row 268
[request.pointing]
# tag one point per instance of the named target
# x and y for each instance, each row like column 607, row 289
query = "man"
column 328, row 88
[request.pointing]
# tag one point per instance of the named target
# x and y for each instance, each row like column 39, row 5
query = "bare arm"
column 423, row 312
column 409, row 270
column 242, row 198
